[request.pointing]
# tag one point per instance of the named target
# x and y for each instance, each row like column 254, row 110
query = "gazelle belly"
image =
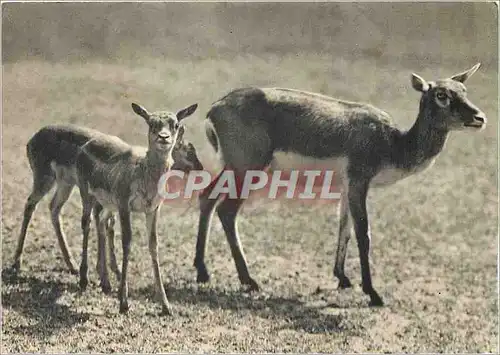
column 64, row 173
column 105, row 198
column 142, row 203
column 390, row 174
column 295, row 161
column 137, row 202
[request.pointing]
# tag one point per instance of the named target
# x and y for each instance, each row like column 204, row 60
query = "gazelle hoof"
column 106, row 288
column 10, row 273
column 166, row 311
column 344, row 283
column 202, row 277
column 251, row 286
column 16, row 266
column 83, row 283
column 375, row 300
column 124, row 308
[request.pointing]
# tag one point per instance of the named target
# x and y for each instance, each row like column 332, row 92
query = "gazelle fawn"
column 185, row 159
column 52, row 153
column 125, row 179
column 253, row 127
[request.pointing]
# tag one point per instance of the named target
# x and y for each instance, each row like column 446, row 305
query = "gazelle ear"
column 186, row 112
column 419, row 83
column 466, row 74
column 180, row 134
column 141, row 111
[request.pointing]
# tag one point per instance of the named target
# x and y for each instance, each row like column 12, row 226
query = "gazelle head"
column 184, row 154
column 163, row 127
column 445, row 102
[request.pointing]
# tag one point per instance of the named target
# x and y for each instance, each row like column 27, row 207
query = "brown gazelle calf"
column 253, row 128
column 52, row 153
column 185, row 159
column 124, row 178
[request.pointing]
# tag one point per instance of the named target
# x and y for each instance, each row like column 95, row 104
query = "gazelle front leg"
column 151, row 219
column 101, row 218
column 110, row 232
column 126, row 228
column 345, row 225
column 357, row 195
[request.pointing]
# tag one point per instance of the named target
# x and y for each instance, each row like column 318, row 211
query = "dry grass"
column 435, row 235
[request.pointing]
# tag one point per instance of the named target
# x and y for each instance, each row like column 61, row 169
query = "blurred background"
column 169, row 52
column 434, row 234
column 406, row 33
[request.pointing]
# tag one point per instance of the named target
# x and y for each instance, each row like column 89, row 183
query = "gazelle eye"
column 441, row 96
column 177, row 125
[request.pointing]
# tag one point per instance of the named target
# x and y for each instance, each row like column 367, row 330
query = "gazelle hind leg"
column 228, row 211
column 252, row 151
column 42, row 183
column 207, row 208
column 345, row 226
column 61, row 196
column 88, row 202
column 108, row 218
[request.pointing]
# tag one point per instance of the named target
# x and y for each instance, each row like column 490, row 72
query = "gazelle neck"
column 156, row 163
column 423, row 141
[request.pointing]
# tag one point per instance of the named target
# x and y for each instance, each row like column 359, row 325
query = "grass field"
column 434, row 256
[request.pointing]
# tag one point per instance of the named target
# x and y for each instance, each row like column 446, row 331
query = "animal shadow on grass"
column 296, row 314
column 37, row 299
